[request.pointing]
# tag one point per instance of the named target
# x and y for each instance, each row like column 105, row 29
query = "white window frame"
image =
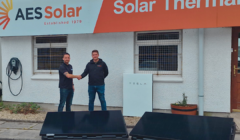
column 177, row 42
column 46, row 45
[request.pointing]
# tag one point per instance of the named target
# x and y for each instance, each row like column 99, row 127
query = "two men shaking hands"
column 97, row 71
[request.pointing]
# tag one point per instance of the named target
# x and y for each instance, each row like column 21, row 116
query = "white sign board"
column 43, row 17
column 137, row 94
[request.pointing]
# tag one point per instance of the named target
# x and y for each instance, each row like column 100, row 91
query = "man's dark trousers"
column 66, row 95
column 92, row 90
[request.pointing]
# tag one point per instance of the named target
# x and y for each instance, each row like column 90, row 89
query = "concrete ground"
column 236, row 117
column 30, row 131
column 22, row 130
column 47, row 107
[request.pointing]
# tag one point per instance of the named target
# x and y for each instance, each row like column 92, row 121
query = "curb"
column 132, row 126
column 29, row 121
column 7, row 139
column 237, row 131
column 17, row 139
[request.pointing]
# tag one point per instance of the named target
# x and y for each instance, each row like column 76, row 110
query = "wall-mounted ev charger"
column 14, row 66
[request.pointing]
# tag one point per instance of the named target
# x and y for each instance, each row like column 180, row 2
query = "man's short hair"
column 66, row 54
column 95, row 51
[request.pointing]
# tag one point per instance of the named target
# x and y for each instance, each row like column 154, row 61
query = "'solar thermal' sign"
column 28, row 17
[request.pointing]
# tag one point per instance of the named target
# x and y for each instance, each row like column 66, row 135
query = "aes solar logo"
column 48, row 12
column 31, row 13
column 4, row 10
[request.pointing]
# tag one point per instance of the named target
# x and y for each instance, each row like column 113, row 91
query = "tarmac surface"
column 30, row 131
column 22, row 130
column 10, row 130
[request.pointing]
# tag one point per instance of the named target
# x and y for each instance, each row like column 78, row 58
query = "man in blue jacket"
column 98, row 71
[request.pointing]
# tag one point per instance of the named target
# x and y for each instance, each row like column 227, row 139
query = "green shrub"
column 183, row 102
column 23, row 108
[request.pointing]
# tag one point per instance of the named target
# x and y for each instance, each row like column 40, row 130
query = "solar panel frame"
column 163, row 126
column 84, row 124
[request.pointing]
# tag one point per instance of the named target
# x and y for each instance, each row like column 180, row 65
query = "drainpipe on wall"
column 200, row 72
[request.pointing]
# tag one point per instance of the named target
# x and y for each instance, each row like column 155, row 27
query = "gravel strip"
column 131, row 121
column 40, row 117
column 7, row 116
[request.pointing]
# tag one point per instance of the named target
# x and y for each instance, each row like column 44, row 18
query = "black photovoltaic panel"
column 86, row 124
column 161, row 126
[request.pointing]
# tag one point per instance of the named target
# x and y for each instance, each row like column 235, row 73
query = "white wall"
column 171, row 92
column 117, row 50
column 217, row 64
column 0, row 61
column 217, row 83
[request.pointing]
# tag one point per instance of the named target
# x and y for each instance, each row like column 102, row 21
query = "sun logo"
column 4, row 15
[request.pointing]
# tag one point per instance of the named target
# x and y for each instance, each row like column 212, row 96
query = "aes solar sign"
column 28, row 17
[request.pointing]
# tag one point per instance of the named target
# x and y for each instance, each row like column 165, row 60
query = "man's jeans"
column 66, row 95
column 92, row 93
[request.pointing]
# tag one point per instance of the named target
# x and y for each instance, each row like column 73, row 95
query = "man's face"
column 66, row 58
column 95, row 55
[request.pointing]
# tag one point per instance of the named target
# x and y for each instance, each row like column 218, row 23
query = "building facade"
column 121, row 53
column 188, row 47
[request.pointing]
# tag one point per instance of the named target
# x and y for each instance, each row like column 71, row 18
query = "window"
column 158, row 52
column 48, row 52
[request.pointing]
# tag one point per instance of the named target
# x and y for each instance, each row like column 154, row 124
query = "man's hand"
column 73, row 88
column 79, row 77
column 72, row 76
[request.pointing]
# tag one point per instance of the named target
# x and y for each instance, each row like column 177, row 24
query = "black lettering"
column 28, row 13
column 38, row 13
column 20, row 14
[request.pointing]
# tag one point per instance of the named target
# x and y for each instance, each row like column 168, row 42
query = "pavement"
column 22, row 130
column 236, row 117
column 30, row 131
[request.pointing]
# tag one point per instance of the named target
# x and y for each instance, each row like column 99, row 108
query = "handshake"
column 79, row 77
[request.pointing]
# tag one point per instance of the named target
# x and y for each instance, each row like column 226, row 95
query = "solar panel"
column 161, row 126
column 84, row 124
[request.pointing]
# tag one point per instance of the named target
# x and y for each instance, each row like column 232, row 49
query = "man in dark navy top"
column 98, row 71
column 66, row 83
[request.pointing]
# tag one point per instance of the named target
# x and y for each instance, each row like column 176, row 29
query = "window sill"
column 168, row 78
column 45, row 77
